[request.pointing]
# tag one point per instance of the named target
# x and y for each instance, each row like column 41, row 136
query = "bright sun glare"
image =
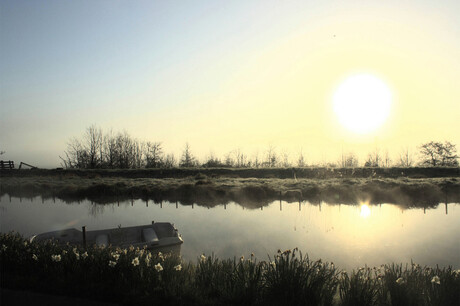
column 362, row 103
column 365, row 211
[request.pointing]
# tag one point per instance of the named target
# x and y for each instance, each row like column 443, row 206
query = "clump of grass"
column 361, row 287
column 230, row 281
column 296, row 280
column 140, row 277
column 416, row 285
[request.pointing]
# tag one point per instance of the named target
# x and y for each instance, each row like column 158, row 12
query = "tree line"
column 108, row 150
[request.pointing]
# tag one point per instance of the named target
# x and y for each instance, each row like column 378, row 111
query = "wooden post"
column 83, row 229
column 446, row 208
column 177, row 205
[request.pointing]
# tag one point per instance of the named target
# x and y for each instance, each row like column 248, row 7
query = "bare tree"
column 213, row 162
column 386, row 160
column 301, row 160
column 169, row 161
column 373, row 159
column 187, row 160
column 76, row 155
column 154, row 155
column 272, row 158
column 93, row 143
column 110, row 150
column 285, row 160
column 439, row 154
column 348, row 160
column 405, row 158
column 241, row 158
column 256, row 160
column 229, row 161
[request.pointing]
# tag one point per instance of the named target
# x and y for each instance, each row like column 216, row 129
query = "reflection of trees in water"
column 256, row 194
column 95, row 209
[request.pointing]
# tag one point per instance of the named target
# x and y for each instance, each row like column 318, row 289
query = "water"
column 350, row 236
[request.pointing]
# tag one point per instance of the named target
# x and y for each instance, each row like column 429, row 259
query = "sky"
column 224, row 75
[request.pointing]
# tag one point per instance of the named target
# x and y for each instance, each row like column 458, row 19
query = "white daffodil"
column 158, row 267
column 56, row 258
column 112, row 263
column 436, row 280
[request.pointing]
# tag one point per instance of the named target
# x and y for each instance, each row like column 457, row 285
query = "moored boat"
column 158, row 236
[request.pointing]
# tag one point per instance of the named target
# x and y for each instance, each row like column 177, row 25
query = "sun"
column 362, row 103
column 365, row 210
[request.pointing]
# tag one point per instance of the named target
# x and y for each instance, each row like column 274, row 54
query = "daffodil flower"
column 158, row 267
column 56, row 258
column 436, row 280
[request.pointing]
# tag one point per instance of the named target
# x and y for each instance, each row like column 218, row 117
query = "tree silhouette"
column 187, row 160
column 439, row 154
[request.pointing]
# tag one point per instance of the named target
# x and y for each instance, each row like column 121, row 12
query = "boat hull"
column 162, row 237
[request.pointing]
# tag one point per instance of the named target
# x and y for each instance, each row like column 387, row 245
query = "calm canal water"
column 350, row 236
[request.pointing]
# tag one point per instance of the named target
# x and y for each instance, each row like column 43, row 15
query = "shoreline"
column 211, row 190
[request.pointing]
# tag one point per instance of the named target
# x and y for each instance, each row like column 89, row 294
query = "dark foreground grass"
column 138, row 277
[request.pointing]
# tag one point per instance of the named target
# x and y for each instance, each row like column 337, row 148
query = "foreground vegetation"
column 138, row 277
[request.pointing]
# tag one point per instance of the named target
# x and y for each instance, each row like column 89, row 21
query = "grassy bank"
column 250, row 192
column 280, row 173
column 138, row 277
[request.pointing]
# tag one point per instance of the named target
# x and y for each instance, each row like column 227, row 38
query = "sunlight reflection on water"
column 348, row 235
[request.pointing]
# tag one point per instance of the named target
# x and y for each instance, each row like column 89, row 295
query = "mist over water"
column 348, row 235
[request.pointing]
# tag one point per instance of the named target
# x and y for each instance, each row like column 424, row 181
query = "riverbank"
column 103, row 186
column 280, row 173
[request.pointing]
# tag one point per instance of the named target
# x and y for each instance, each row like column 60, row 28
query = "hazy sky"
column 224, row 75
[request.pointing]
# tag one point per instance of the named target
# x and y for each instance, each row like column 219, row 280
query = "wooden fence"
column 6, row 165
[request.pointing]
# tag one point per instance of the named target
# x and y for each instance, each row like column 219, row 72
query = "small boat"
column 158, row 236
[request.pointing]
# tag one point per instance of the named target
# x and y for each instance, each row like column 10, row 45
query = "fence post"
column 83, row 229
